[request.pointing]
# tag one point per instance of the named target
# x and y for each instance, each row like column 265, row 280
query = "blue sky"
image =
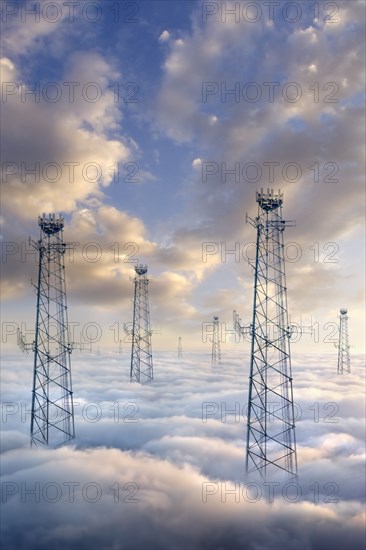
column 170, row 136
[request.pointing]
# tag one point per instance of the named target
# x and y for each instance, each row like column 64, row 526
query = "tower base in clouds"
column 141, row 354
column 52, row 418
column 271, row 446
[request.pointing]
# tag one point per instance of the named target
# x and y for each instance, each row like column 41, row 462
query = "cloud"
column 72, row 157
column 167, row 441
column 309, row 133
column 26, row 30
column 93, row 135
column 164, row 37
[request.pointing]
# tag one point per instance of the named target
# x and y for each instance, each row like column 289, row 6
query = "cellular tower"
column 141, row 355
column 52, row 418
column 216, row 347
column 271, row 445
column 344, row 361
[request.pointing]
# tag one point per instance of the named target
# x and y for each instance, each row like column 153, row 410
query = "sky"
column 133, row 135
column 150, row 125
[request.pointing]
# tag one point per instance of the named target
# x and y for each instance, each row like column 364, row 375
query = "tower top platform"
column 270, row 200
column 50, row 223
column 141, row 269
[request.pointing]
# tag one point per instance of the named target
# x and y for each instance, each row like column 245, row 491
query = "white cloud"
column 171, row 455
column 23, row 33
column 71, row 135
column 164, row 37
column 311, row 130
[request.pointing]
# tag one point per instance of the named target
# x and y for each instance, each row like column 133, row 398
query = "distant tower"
column 344, row 362
column 271, row 446
column 52, row 418
column 141, row 354
column 180, row 352
column 241, row 329
column 216, row 349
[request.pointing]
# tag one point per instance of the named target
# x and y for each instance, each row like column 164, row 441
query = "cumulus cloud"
column 309, row 133
column 26, row 30
column 164, row 37
column 88, row 134
column 73, row 156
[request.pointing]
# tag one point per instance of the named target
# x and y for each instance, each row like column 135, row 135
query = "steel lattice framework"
column 271, row 445
column 216, row 346
column 180, row 351
column 52, row 419
column 344, row 361
column 241, row 329
column 141, row 354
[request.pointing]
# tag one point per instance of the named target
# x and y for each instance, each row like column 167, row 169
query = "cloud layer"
column 180, row 443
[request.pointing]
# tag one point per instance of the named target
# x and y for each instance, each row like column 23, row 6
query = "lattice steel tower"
column 271, row 445
column 141, row 354
column 52, row 419
column 216, row 346
column 344, row 362
column 180, row 351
